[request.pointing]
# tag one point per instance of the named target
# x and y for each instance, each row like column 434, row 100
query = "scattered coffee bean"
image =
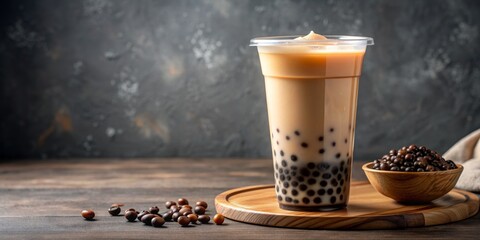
column 199, row 210
column 130, row 209
column 182, row 201
column 193, row 218
column 183, row 220
column 131, row 216
column 185, row 211
column 218, row 219
column 169, row 204
column 157, row 221
column 175, row 216
column 154, row 210
column 141, row 214
column 203, row 204
column 114, row 210
column 88, row 214
column 147, row 218
column 187, row 206
column 413, row 159
column 204, row 219
column 175, row 208
column 167, row 216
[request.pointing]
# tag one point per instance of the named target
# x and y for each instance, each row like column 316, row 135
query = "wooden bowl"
column 412, row 187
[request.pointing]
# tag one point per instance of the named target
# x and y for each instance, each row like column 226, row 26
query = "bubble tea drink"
column 311, row 85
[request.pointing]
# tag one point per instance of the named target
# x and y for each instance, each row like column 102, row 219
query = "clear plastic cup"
column 311, row 90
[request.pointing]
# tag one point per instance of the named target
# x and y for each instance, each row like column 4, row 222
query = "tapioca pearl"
column 282, row 153
column 333, row 199
column 311, row 181
column 330, row 191
column 286, row 184
column 334, row 182
column 342, row 182
column 304, row 145
column 348, row 154
column 294, row 192
column 296, row 201
column 321, row 192
column 345, row 170
column 282, row 177
column 306, row 200
column 279, row 198
column 320, row 139
column 321, row 151
column 326, row 175
column 293, row 173
column 297, row 133
column 323, row 183
column 342, row 164
column 339, row 190
column 289, row 178
column 338, row 155
column 311, row 165
column 335, row 170
column 284, row 191
column 294, row 157
column 278, row 130
column 278, row 143
column 294, row 183
column 311, row 193
column 280, row 170
column 346, row 140
column 331, row 129
column 341, row 197
column 284, row 163
column 302, row 187
column 287, row 137
column 300, row 179
column 323, row 166
column 317, row 200
column 286, row 171
column 276, row 165
column 276, row 175
column 333, row 144
column 315, row 173
column 294, row 167
column 288, row 199
column 350, row 127
column 339, row 176
column 305, row 172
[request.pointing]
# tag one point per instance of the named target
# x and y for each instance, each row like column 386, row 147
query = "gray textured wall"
column 177, row 78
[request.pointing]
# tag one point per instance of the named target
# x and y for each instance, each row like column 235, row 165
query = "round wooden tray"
column 367, row 209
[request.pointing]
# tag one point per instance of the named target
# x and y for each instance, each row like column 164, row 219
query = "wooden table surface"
column 43, row 200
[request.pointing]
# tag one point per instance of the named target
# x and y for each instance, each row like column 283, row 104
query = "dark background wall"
column 177, row 78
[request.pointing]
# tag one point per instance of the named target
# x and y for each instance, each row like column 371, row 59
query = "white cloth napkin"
column 467, row 152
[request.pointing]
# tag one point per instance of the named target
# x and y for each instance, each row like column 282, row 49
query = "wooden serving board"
column 367, row 209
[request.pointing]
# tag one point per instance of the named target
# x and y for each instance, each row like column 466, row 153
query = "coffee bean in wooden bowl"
column 413, row 174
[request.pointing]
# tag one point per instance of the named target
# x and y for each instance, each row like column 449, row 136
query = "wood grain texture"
column 367, row 209
column 43, row 200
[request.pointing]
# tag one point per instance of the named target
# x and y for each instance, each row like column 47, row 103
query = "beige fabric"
column 467, row 152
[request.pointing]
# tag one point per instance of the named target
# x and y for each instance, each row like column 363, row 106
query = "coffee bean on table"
column 199, row 210
column 187, row 206
column 114, row 210
column 141, row 214
column 185, row 211
column 131, row 216
column 203, row 204
column 182, row 201
column 88, row 214
column 130, row 209
column 204, row 219
column 154, row 210
column 218, row 219
column 193, row 218
column 157, row 221
column 147, row 218
column 175, row 216
column 167, row 215
column 175, row 208
column 169, row 204
column 183, row 220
